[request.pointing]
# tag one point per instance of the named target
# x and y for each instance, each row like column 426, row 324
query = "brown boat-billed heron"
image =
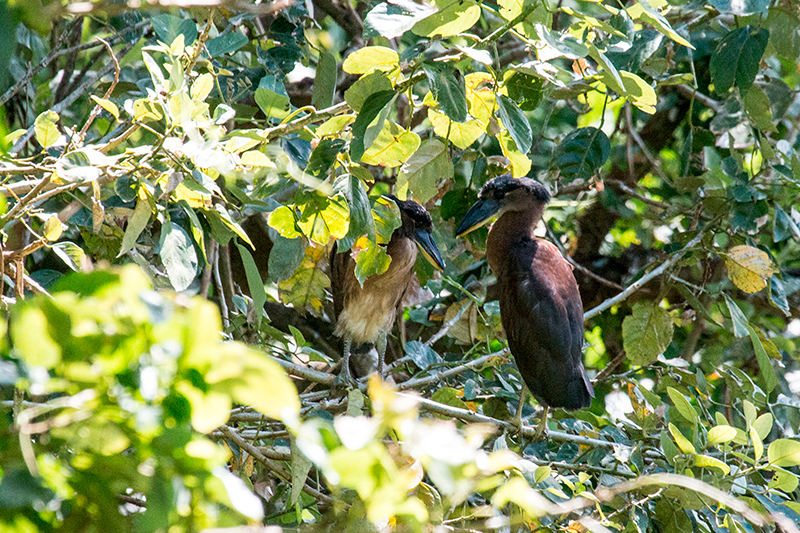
column 365, row 314
column 540, row 306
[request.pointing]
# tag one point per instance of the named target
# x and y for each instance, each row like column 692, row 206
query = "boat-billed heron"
column 365, row 314
column 540, row 306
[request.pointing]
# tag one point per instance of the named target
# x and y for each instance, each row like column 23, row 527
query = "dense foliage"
column 225, row 149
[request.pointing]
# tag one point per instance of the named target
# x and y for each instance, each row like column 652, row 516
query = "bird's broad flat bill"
column 478, row 215
column 429, row 249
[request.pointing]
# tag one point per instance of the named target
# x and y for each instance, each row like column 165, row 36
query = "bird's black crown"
column 500, row 186
column 414, row 211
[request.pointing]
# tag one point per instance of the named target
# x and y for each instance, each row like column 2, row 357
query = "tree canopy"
column 173, row 182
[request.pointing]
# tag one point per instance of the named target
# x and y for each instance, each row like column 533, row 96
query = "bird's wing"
column 542, row 315
column 342, row 269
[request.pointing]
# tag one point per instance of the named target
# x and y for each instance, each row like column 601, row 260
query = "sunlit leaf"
column 784, row 452
column 462, row 134
column 392, row 147
column 683, row 443
column 178, row 255
column 458, row 16
column 748, row 268
column 45, row 128
column 371, row 58
column 682, row 404
column 424, row 170
column 721, row 434
column 108, row 105
column 704, row 461
column 646, row 333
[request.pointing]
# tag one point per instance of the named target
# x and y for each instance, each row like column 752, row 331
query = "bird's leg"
column 518, row 417
column 541, row 429
column 344, row 379
column 380, row 345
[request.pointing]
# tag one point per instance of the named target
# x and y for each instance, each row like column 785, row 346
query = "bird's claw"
column 344, row 381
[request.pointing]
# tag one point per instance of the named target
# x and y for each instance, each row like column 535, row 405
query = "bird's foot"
column 344, row 381
column 541, row 428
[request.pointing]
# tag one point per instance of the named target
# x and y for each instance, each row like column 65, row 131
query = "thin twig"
column 447, row 325
column 630, row 192
column 304, row 372
column 527, row 431
column 646, row 151
column 97, row 108
column 279, row 470
column 58, row 53
column 438, row 376
column 70, row 99
column 638, row 284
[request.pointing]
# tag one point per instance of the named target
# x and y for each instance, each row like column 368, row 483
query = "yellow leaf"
column 392, row 147
column 520, row 164
column 52, row 229
column 371, row 58
column 683, row 443
column 45, row 128
column 108, row 105
column 748, row 268
column 462, row 134
column 202, row 86
column 254, row 158
column 480, row 95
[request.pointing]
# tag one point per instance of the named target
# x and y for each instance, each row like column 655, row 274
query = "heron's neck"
column 511, row 228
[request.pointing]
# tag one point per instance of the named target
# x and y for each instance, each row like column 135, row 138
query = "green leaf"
column 371, row 58
column 784, row 452
column 386, row 215
column 324, row 156
column 737, row 317
column 305, row 289
column 227, row 43
column 763, row 425
column 425, row 169
column 516, row 123
column 393, row 19
column 767, row 374
column 647, row 13
column 457, row 17
column 46, row 128
column 449, row 396
column 284, row 258
column 783, row 226
column 393, row 146
column 646, row 333
column 581, row 154
column 178, row 255
column 785, row 481
column 777, row 295
column 301, row 466
column 254, row 281
column 758, row 446
column 136, row 224
column 30, row 333
column 108, row 105
column 361, row 223
column 721, row 434
column 168, row 27
column 449, row 90
column 682, row 404
column 740, row 7
column 525, row 89
column 324, row 81
column 371, row 259
column 283, row 221
column 756, row 104
column 423, row 356
column 370, row 110
column 72, row 254
column 324, row 218
column 736, row 58
column 704, row 461
column 271, row 97
column 683, row 443
column 365, row 87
